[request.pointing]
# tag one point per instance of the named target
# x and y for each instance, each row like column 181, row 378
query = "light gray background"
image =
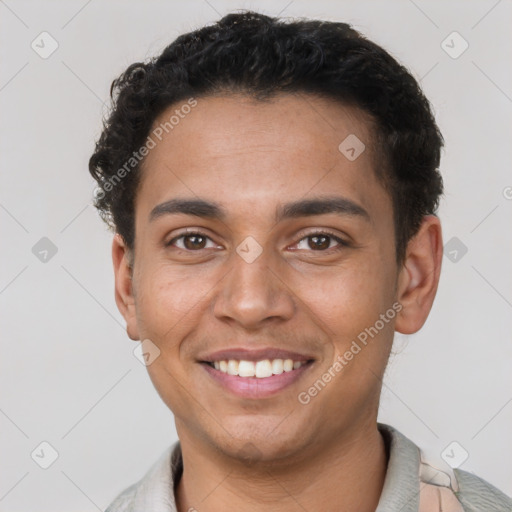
column 68, row 375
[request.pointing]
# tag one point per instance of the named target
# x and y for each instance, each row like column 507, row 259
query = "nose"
column 253, row 294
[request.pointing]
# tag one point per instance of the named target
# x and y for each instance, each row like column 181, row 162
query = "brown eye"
column 321, row 242
column 190, row 242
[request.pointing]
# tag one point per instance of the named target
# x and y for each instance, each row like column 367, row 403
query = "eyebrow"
column 301, row 208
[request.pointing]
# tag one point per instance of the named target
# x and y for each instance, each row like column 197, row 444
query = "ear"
column 123, row 271
column 419, row 277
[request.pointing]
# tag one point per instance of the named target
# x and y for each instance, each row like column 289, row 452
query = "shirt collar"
column 401, row 489
column 400, row 493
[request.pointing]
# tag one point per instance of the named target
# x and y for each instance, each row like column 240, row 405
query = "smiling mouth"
column 262, row 369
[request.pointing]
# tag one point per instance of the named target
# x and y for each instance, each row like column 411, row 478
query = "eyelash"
column 341, row 243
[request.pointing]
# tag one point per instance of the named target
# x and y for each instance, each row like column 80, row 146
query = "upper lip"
column 254, row 355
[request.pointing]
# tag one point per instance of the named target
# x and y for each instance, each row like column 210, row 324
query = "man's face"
column 305, row 297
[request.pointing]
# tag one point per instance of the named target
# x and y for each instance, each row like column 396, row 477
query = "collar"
column 406, row 468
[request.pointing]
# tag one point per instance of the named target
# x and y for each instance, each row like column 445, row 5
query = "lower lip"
column 254, row 387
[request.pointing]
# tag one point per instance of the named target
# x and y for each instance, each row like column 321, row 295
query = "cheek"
column 348, row 299
column 168, row 302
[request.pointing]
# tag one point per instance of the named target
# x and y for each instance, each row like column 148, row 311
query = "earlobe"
column 419, row 276
column 123, row 272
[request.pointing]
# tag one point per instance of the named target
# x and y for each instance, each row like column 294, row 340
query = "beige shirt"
column 411, row 484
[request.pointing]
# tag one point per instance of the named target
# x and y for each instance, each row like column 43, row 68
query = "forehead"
column 249, row 153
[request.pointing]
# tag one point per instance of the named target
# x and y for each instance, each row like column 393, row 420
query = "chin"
column 259, row 453
column 260, row 441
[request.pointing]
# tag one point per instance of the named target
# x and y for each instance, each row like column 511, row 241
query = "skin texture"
column 251, row 157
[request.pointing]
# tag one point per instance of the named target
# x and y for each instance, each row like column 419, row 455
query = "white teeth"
column 260, row 369
column 232, row 367
column 246, row 369
column 277, row 366
column 263, row 369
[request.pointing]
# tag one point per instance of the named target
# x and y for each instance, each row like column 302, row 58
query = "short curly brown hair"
column 262, row 56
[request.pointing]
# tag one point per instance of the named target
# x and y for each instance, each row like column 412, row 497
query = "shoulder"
column 476, row 494
column 424, row 478
column 154, row 491
column 123, row 502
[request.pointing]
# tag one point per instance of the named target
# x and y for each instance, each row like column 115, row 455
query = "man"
column 273, row 187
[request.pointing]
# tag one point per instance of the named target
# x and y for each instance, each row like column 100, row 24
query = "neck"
column 349, row 473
